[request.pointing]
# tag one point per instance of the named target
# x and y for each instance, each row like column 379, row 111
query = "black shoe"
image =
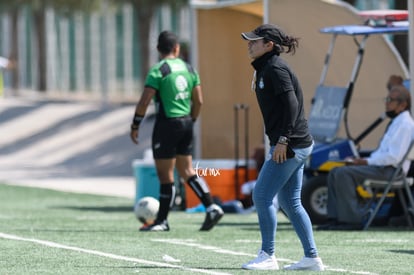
column 327, row 225
column 212, row 217
column 156, row 226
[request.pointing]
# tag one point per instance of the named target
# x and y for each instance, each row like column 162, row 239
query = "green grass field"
column 50, row 232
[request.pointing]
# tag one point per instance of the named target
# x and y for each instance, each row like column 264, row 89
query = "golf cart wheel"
column 315, row 198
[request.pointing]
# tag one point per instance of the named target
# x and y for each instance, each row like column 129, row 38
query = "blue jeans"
column 285, row 181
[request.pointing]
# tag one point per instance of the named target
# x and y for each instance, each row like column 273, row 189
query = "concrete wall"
column 226, row 71
column 226, row 77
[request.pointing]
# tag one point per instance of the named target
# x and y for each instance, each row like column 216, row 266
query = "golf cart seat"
column 326, row 112
column 324, row 120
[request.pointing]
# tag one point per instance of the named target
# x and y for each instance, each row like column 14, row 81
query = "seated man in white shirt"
column 345, row 207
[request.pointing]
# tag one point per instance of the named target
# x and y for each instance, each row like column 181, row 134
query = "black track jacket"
column 280, row 100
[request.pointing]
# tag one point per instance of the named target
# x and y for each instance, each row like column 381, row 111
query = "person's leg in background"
column 344, row 202
column 165, row 137
column 165, row 172
column 213, row 212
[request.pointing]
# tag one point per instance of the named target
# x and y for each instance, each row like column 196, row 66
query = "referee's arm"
column 197, row 101
column 140, row 111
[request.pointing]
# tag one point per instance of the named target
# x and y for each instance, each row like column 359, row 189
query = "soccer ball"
column 146, row 210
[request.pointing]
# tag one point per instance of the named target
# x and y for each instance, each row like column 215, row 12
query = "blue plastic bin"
column 146, row 179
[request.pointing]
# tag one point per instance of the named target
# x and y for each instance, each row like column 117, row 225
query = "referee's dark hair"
column 166, row 42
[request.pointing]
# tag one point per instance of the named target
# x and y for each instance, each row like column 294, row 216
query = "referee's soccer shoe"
column 156, row 227
column 213, row 214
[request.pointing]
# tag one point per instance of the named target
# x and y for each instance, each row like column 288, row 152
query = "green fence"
column 90, row 54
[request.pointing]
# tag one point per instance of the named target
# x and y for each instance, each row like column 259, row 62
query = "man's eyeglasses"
column 390, row 99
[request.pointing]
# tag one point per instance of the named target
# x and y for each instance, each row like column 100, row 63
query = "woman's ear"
column 270, row 44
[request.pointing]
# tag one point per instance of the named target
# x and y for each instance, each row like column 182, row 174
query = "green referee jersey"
column 174, row 80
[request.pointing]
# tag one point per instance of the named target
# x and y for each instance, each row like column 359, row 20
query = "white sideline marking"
column 191, row 243
column 212, row 248
column 108, row 255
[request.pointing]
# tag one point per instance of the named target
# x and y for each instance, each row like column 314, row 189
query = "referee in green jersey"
column 175, row 87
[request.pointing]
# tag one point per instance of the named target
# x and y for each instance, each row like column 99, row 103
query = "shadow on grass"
column 74, row 230
column 240, row 225
column 108, row 209
column 186, row 268
column 388, row 228
column 254, row 225
column 411, row 252
column 150, row 268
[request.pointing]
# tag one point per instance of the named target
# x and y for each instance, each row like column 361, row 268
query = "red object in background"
column 384, row 17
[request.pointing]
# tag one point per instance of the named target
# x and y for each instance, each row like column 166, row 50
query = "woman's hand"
column 279, row 153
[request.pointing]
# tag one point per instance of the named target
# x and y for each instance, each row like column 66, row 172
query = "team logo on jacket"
column 261, row 83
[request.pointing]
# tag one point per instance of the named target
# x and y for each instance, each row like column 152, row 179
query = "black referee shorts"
column 171, row 137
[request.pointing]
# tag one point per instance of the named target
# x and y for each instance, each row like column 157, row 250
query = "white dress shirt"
column 394, row 143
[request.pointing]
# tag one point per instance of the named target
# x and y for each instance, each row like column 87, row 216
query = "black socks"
column 167, row 196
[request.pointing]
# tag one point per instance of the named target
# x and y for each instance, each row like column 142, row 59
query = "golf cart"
column 329, row 108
